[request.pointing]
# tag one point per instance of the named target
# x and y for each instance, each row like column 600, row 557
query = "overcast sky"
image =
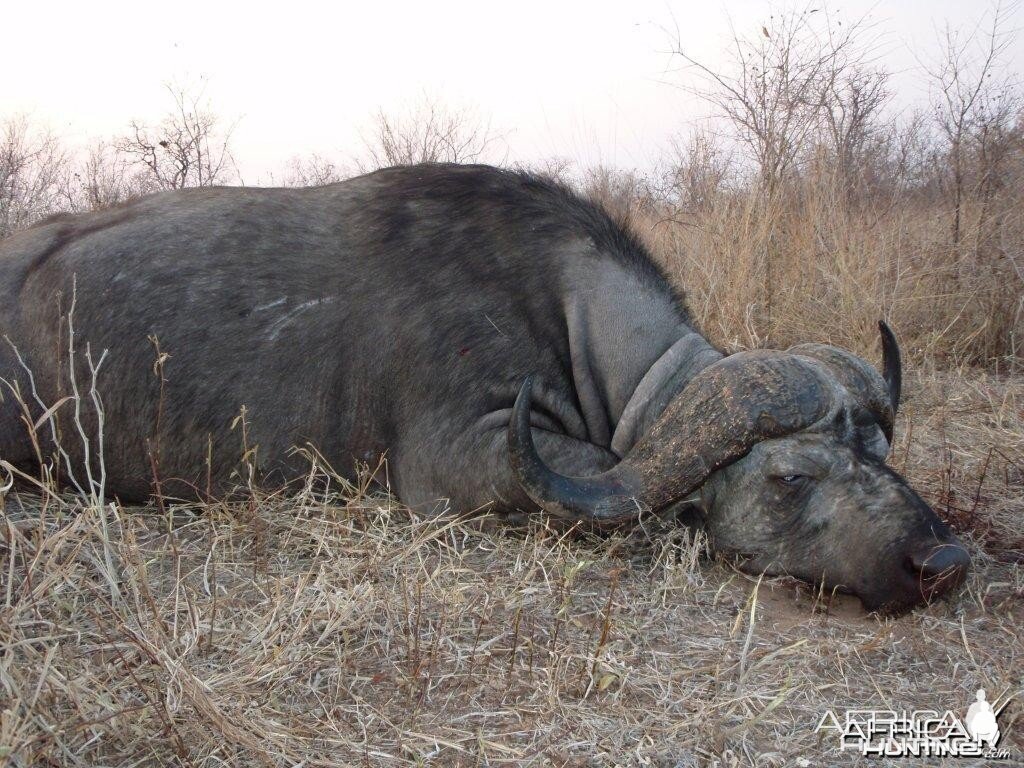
column 588, row 81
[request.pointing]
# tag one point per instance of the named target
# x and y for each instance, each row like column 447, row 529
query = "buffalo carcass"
column 503, row 342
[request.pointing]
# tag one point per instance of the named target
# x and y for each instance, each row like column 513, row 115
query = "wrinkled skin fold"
column 782, row 455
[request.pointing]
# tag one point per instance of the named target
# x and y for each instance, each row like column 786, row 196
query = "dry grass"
column 808, row 264
column 336, row 629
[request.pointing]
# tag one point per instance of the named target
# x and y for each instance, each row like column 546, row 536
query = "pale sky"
column 587, row 81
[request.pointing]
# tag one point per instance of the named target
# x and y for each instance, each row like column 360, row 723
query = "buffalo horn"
column 892, row 365
column 727, row 408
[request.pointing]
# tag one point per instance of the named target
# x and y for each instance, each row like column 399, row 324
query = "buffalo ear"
column 892, row 364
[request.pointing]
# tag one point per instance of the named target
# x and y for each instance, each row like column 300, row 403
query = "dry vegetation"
column 335, row 629
column 328, row 626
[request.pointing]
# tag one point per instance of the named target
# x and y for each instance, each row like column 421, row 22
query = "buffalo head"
column 782, row 455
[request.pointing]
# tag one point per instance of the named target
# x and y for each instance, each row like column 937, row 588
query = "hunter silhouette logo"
column 981, row 720
column 922, row 733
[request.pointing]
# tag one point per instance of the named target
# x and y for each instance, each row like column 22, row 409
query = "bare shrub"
column 700, row 167
column 771, row 91
column 623, row 193
column 430, row 133
column 33, row 167
column 855, row 134
column 976, row 106
column 40, row 177
column 187, row 148
column 559, row 169
column 312, row 171
column 104, row 177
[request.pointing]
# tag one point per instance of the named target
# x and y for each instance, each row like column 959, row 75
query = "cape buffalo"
column 501, row 340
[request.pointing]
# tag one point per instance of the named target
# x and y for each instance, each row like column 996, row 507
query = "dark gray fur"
column 393, row 313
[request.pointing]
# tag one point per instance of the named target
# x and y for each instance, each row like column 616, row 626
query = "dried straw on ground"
column 336, row 629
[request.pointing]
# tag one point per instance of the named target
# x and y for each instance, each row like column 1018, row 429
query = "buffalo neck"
column 668, row 376
column 632, row 349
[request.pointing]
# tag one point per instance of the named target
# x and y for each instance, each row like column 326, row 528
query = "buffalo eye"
column 791, row 481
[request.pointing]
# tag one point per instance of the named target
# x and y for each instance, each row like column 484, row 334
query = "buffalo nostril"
column 940, row 567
